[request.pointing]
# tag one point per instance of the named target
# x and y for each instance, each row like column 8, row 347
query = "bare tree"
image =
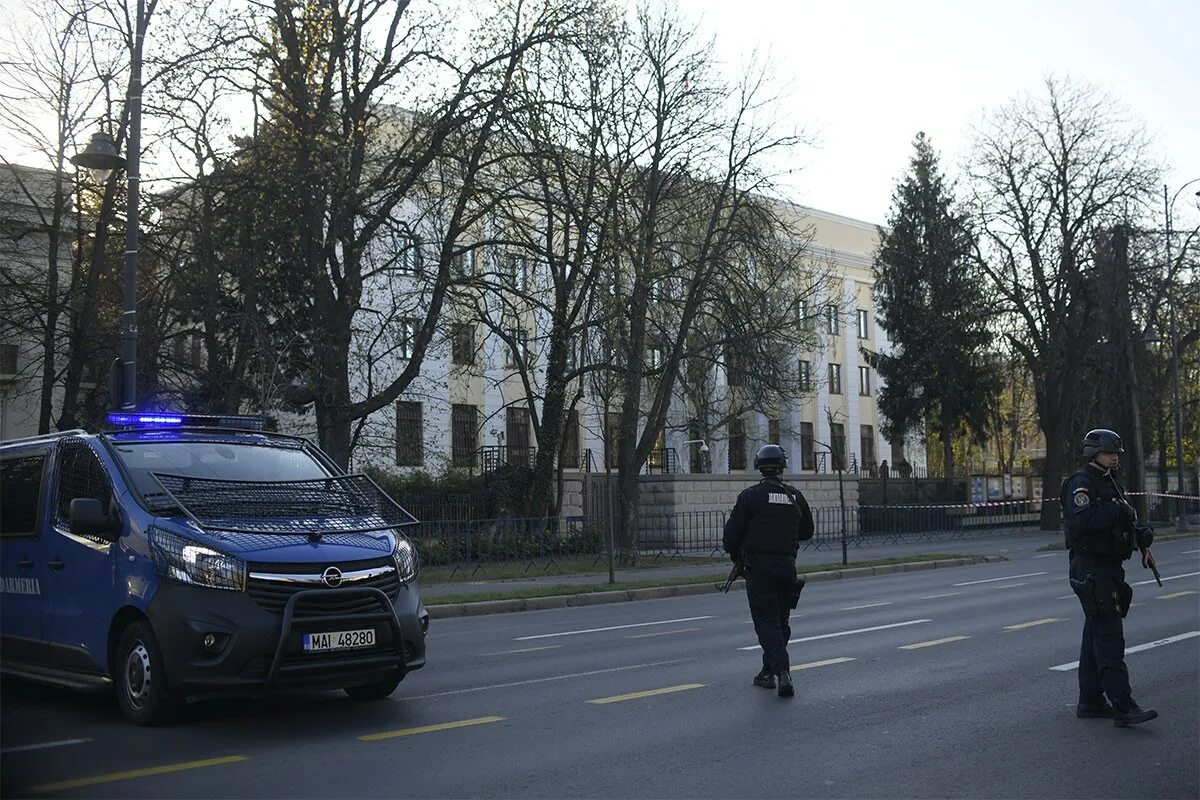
column 695, row 228
column 1049, row 174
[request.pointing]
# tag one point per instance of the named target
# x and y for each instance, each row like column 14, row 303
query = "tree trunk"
column 948, row 455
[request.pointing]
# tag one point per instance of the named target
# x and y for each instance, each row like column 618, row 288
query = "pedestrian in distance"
column 763, row 533
column 1102, row 532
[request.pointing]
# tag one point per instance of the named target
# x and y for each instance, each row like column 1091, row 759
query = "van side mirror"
column 87, row 517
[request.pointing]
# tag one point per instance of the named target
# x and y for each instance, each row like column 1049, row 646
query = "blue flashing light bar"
column 160, row 420
column 144, row 420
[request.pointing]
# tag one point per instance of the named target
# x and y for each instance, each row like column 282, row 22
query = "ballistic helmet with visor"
column 771, row 459
column 1101, row 440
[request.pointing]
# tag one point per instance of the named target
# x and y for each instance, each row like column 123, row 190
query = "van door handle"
column 56, row 564
column 25, row 563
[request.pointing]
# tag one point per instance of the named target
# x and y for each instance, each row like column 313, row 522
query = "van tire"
column 374, row 691
column 139, row 676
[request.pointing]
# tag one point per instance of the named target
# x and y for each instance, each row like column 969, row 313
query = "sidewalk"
column 1011, row 544
column 999, row 545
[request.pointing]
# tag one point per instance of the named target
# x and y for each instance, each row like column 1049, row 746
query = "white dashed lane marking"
column 610, row 628
column 1136, row 649
column 1005, row 578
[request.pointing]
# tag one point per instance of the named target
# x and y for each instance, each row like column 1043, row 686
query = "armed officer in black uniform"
column 1100, row 534
column 763, row 533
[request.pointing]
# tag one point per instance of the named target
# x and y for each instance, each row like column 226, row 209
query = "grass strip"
column 602, row 584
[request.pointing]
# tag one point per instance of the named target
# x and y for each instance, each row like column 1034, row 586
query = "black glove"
column 1145, row 536
column 735, row 557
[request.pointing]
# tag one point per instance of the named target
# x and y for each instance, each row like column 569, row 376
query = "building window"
column 612, row 450
column 8, row 359
column 408, row 336
column 866, row 444
column 409, row 259
column 518, row 350
column 835, row 325
column 464, row 435
column 410, row 446
column 863, row 331
column 570, row 443
column 772, row 430
column 864, row 381
column 808, row 457
column 462, row 345
column 189, row 350
column 835, row 378
column 733, row 366
column 805, row 376
column 837, row 443
column 804, row 314
column 516, row 434
column 516, row 271
column 737, row 443
column 654, row 357
column 462, row 263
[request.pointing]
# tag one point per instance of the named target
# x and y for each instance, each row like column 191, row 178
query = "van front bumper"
column 218, row 641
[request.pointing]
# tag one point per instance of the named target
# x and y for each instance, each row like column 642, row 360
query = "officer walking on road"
column 1100, row 534
column 763, row 533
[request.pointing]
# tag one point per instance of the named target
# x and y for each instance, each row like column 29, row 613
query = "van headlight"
column 178, row 558
column 405, row 556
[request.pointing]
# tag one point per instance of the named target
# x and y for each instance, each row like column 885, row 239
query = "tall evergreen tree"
column 931, row 301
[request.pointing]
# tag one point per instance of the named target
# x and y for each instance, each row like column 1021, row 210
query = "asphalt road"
column 924, row 684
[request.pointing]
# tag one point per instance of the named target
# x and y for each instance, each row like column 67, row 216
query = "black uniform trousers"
column 770, row 582
column 1102, row 670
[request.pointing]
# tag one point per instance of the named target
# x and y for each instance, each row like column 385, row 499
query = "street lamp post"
column 1180, row 521
column 703, row 452
column 101, row 158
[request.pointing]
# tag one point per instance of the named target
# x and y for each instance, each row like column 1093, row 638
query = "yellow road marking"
column 824, row 663
column 443, row 726
column 933, row 642
column 649, row 693
column 148, row 772
column 524, row 650
column 1176, row 594
column 1023, row 625
column 661, row 633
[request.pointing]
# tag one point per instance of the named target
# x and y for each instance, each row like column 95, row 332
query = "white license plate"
column 338, row 640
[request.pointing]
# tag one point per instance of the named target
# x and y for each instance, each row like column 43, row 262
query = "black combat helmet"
column 1101, row 440
column 771, row 459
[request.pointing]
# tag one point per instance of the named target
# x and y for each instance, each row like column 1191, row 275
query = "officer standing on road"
column 763, row 533
column 1100, row 534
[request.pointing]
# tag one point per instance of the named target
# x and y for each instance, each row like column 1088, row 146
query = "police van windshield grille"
column 336, row 504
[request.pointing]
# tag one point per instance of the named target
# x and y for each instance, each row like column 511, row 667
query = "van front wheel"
column 139, row 676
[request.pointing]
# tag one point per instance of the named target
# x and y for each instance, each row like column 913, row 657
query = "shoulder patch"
column 1081, row 497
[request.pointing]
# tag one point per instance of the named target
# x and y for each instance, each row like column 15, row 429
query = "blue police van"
column 177, row 557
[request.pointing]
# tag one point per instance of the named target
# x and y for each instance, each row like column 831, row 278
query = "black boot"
column 1100, row 709
column 1133, row 714
column 765, row 679
column 785, row 684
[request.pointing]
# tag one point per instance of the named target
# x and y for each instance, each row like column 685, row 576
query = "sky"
column 866, row 75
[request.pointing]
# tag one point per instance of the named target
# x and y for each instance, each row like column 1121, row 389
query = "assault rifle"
column 734, row 574
column 1133, row 528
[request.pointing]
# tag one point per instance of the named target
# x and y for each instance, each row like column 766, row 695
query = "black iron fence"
column 472, row 546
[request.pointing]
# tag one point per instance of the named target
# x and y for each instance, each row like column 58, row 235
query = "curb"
column 449, row 610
